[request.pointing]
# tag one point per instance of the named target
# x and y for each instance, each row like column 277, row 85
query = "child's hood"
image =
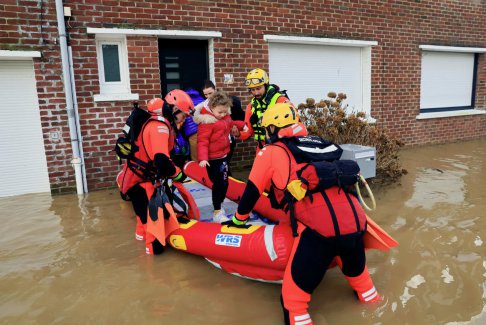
column 197, row 112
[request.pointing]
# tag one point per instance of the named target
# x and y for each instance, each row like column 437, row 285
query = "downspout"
column 78, row 127
column 78, row 160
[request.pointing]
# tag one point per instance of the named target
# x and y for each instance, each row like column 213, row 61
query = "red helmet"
column 180, row 99
column 155, row 105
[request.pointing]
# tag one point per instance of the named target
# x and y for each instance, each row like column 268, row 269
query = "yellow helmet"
column 280, row 115
column 256, row 78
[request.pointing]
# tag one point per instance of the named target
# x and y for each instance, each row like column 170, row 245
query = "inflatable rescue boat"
column 259, row 251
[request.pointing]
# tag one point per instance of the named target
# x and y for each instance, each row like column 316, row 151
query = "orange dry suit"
column 331, row 223
column 155, row 142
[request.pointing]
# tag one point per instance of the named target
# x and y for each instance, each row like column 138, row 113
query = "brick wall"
column 481, row 83
column 28, row 25
column 101, row 122
column 399, row 27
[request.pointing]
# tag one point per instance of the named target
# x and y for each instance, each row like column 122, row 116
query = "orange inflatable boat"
column 259, row 251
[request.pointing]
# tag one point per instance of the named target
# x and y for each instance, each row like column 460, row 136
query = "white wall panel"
column 23, row 166
column 314, row 70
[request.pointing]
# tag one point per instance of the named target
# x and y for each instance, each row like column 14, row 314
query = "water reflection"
column 436, row 186
column 70, row 259
column 440, row 223
column 41, row 231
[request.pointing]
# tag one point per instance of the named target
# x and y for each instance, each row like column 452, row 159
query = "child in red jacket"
column 213, row 145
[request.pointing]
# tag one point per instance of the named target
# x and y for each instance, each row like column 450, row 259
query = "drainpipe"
column 78, row 127
column 78, row 160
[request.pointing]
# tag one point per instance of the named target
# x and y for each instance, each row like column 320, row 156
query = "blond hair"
column 220, row 98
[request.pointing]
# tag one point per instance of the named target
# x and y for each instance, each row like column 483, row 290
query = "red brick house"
column 416, row 67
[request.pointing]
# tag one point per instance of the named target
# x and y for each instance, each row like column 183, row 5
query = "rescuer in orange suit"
column 322, row 234
column 264, row 95
column 154, row 143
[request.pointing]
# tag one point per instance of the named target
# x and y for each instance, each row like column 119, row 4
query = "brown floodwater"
column 74, row 260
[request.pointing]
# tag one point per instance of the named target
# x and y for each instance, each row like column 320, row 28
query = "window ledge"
column 425, row 116
column 453, row 49
column 370, row 120
column 19, row 55
column 317, row 41
column 115, row 97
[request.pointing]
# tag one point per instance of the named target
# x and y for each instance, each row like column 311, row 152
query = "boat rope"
column 368, row 189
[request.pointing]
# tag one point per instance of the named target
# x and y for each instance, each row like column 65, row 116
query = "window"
column 116, row 36
column 113, row 70
column 111, row 62
column 448, row 80
column 312, row 67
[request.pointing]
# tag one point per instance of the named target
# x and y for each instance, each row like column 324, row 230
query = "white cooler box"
column 363, row 155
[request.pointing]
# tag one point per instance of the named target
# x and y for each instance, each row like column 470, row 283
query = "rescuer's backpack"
column 125, row 144
column 321, row 175
column 125, row 147
column 322, row 168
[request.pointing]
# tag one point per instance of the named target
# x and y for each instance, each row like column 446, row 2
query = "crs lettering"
column 228, row 240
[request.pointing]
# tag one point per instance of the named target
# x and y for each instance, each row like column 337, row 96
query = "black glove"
column 165, row 166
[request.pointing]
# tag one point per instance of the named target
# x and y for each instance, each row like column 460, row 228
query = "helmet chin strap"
column 176, row 112
column 273, row 136
column 168, row 112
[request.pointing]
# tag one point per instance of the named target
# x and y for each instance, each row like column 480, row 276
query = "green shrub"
column 328, row 119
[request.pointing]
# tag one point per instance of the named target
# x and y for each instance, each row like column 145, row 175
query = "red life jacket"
column 128, row 177
column 331, row 212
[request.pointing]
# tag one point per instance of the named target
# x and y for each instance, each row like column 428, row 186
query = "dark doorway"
column 183, row 64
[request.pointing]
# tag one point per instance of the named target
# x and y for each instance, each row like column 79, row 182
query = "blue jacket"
column 189, row 128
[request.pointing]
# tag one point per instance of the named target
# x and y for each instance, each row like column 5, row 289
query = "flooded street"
column 74, row 260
